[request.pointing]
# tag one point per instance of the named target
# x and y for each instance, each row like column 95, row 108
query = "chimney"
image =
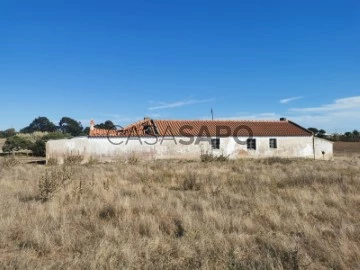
column 92, row 126
column 283, row 119
column 146, row 118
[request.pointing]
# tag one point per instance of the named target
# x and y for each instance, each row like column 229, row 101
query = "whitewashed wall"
column 323, row 149
column 172, row 148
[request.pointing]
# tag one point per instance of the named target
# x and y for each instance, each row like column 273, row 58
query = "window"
column 215, row 143
column 251, row 144
column 273, row 143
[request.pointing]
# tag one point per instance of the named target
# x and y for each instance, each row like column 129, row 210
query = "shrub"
column 132, row 159
column 107, row 212
column 7, row 133
column 56, row 136
column 73, row 160
column 9, row 162
column 172, row 227
column 16, row 143
column 207, row 157
column 222, row 158
column 52, row 180
column 52, row 162
column 210, row 157
column 190, row 182
column 39, row 148
column 92, row 161
column 48, row 184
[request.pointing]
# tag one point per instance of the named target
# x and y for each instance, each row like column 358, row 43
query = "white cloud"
column 164, row 105
column 287, row 100
column 337, row 105
column 340, row 115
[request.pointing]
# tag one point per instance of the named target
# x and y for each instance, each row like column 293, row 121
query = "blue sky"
column 123, row 60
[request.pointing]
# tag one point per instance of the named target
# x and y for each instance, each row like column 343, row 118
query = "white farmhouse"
column 188, row 139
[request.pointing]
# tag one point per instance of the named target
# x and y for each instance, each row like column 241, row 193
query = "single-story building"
column 189, row 139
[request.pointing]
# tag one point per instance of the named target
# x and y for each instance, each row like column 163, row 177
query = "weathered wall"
column 323, row 149
column 173, row 147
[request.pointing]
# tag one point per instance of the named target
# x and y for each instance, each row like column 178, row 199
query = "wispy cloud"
column 247, row 116
column 287, row 100
column 340, row 115
column 182, row 103
column 338, row 105
column 115, row 118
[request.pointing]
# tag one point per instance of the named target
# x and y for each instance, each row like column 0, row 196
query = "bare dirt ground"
column 343, row 148
column 243, row 214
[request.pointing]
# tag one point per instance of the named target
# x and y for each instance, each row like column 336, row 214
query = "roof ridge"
column 222, row 120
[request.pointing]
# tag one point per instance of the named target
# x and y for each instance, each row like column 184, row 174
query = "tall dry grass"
column 244, row 214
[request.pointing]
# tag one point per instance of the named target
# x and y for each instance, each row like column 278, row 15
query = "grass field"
column 244, row 214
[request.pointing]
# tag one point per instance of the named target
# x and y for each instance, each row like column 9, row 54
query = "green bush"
column 39, row 147
column 16, row 143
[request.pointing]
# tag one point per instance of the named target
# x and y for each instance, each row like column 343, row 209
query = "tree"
column 42, row 124
column 356, row 135
column 86, row 131
column 107, row 125
column 321, row 133
column 71, row 126
column 318, row 132
column 16, row 143
column 313, row 130
column 8, row 133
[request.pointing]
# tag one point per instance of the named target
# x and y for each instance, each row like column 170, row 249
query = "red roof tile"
column 219, row 128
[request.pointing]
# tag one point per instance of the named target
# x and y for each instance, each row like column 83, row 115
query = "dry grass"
column 245, row 214
column 2, row 142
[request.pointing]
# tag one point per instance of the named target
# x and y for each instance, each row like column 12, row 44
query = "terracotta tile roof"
column 219, row 128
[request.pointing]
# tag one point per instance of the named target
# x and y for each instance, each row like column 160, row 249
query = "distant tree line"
column 67, row 128
column 349, row 136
